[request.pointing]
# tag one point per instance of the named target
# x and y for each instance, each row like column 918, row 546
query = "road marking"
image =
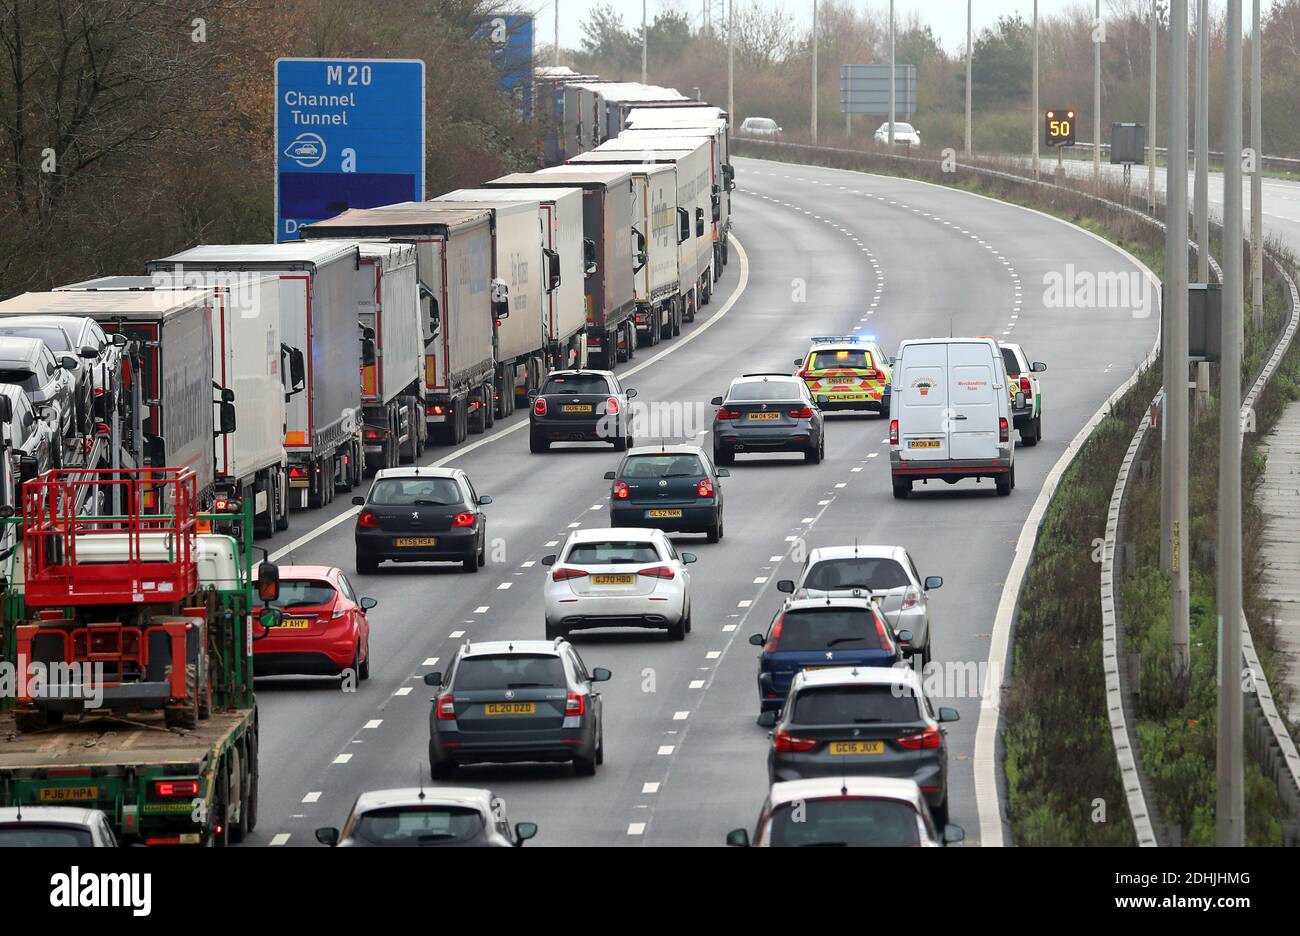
column 856, row 470
column 279, row 838
column 374, row 723
column 481, row 609
column 636, row 828
column 760, row 580
column 597, row 506
column 529, row 564
column 456, row 635
column 431, row 661
column 791, row 539
column 649, row 788
column 744, row 603
column 681, row 716
column 504, row 585
column 696, row 684
column 727, row 628
column 575, row 525
column 343, row 758
column 713, row 654
column 665, row 750
column 405, row 690
column 312, row 797
column 551, row 543
column 811, row 519
column 775, row 558
column 842, row 484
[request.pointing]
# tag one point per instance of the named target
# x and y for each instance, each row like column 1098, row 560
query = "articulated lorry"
column 610, row 295
column 130, row 636
column 250, row 461
column 453, row 249
column 320, row 341
column 614, row 101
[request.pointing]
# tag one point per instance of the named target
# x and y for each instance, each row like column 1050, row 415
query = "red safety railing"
column 134, row 557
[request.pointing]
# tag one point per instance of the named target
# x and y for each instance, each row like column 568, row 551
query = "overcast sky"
column 946, row 17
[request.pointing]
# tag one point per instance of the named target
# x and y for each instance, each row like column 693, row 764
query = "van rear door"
column 973, row 384
column 922, row 393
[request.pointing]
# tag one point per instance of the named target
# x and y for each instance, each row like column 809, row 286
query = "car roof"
column 603, row 534
column 858, row 676
column 14, row 348
column 68, row 815
column 306, row 571
column 887, row 787
column 416, row 471
column 666, row 449
column 580, row 372
column 823, row 553
column 498, row 647
column 428, row 796
column 775, row 376
column 64, row 322
column 803, row 604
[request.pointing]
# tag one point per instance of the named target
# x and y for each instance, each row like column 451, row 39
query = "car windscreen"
column 575, row 383
column 418, row 825
column 845, row 821
column 55, row 338
column 402, row 492
column 902, row 128
column 509, row 671
column 20, row 378
column 663, row 466
column 860, row 572
column 807, row 629
column 761, row 123
column 855, row 705
column 821, row 360
column 612, row 552
column 1013, row 366
column 758, row 390
column 33, row 835
column 303, row 593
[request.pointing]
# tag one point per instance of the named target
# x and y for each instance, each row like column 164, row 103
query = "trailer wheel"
column 477, row 424
column 218, row 826
column 264, row 522
column 249, row 811
column 239, row 774
column 281, row 499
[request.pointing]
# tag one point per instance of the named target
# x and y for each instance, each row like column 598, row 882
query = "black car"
column 581, row 406
column 673, row 488
column 767, row 413
column 418, row 514
column 521, row 700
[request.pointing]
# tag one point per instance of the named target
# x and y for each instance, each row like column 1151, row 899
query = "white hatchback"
column 618, row 577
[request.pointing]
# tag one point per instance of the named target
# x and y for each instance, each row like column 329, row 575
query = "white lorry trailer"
column 320, row 342
column 453, row 249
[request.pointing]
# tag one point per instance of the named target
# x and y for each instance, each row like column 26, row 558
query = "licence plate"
column 510, row 708
column 663, row 514
column 923, row 443
column 295, row 624
column 857, row 747
column 763, row 417
column 576, row 408
column 69, row 794
column 610, row 579
column 843, row 380
column 403, row 542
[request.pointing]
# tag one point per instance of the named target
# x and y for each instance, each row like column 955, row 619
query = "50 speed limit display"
column 1058, row 126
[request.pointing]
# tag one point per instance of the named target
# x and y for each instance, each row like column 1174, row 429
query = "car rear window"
column 433, row 492
column 821, row 360
column 20, row 378
column 30, row 835
column 854, row 705
column 1013, row 366
column 419, row 825
column 860, row 572
column 303, row 593
column 509, row 671
column 845, row 821
column 755, row 390
column 612, row 552
column 808, row 629
column 576, row 383
column 663, row 466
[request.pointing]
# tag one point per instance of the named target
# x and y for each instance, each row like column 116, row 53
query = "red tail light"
column 446, row 708
column 434, row 409
column 539, row 407
column 925, row 740
column 297, row 473
column 463, row 520
column 1024, row 385
column 893, row 432
column 725, row 413
column 704, row 489
column 172, row 788
column 1004, row 430
column 368, row 520
column 882, row 632
column 911, row 598
column 659, row 572
column 620, row 490
column 804, row 373
column 783, row 743
column 561, row 575
column 774, row 639
column 99, row 391
column 803, row 412
column 574, row 704
column 611, row 407
column 372, row 435
column 873, row 375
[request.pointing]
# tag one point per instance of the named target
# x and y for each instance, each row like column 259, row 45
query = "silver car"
column 55, row 827
column 887, row 572
column 760, row 127
column 98, row 355
column 49, row 382
column 415, row 816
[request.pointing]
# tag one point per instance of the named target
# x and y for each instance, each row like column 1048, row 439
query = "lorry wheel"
column 264, row 522
column 249, row 812
column 476, row 424
column 219, row 834
column 489, row 408
column 239, row 830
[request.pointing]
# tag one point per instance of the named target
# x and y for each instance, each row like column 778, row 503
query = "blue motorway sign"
column 349, row 133
column 511, row 40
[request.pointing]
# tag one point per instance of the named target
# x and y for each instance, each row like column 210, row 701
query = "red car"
column 324, row 631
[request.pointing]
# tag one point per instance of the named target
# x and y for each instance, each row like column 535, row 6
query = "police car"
column 1028, row 418
column 851, row 371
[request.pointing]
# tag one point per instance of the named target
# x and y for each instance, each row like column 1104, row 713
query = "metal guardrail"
column 1285, row 162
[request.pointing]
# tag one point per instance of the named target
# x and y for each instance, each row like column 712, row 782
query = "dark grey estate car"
column 767, row 413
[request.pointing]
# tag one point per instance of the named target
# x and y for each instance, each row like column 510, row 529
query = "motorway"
column 823, row 251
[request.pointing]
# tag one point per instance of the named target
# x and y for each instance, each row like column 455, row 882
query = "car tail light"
column 704, row 488
column 924, row 741
column 446, row 708
column 803, row 412
column 804, row 373
column 620, row 490
column 785, row 743
column 882, row 632
column 561, row 575
column 725, row 413
column 539, row 407
column 911, row 598
column 339, row 611
column 172, row 788
column 611, row 407
column 873, row 375
column 893, row 432
column 368, row 520
column 659, row 572
column 99, row 391
column 434, row 409
column 297, row 473
column 774, row 640
column 464, row 520
column 1004, row 430
column 1024, row 385
column 373, row 435
column 574, row 704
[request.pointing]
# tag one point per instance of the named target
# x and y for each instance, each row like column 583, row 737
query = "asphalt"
column 824, row 252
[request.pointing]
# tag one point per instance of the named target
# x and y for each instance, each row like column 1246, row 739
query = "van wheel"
column 1029, row 435
column 902, row 488
column 1004, row 483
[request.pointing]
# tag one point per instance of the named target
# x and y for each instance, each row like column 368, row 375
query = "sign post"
column 349, row 133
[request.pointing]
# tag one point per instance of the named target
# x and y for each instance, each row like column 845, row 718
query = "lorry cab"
column 950, row 414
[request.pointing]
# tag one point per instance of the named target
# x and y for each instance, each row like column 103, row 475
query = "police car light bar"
column 838, row 339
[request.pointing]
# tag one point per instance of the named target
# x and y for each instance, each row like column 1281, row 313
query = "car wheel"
column 442, row 770
column 723, row 456
column 600, row 747
column 814, row 455
column 366, row 565
column 472, row 562
column 555, row 630
column 714, row 533
column 902, row 489
column 584, row 766
column 926, row 655
column 677, row 630
column 537, row 445
column 621, row 443
column 940, row 813
column 363, row 668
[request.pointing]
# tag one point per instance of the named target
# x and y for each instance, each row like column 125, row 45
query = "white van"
column 950, row 414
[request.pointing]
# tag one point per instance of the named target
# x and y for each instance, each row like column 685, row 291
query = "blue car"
column 817, row 633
